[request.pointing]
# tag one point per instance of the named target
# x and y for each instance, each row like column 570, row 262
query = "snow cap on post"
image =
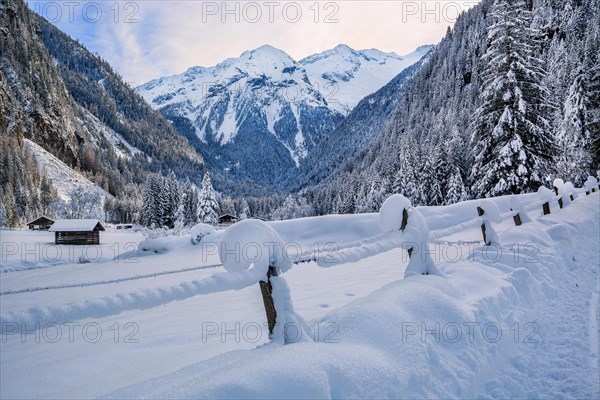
column 545, row 194
column 252, row 241
column 591, row 183
column 492, row 213
column 391, row 212
column 569, row 188
column 516, row 205
column 559, row 184
column 199, row 231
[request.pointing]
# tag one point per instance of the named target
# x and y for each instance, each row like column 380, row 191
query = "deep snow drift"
column 515, row 319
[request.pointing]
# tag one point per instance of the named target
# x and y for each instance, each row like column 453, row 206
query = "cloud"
column 147, row 39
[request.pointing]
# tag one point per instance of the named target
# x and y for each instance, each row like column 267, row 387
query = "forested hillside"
column 357, row 132
column 70, row 102
column 494, row 110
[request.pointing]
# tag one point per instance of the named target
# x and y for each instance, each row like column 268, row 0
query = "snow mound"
column 591, row 183
column 545, row 194
column 516, row 205
column 559, row 185
column 492, row 212
column 416, row 241
column 198, row 232
column 569, row 188
column 252, row 242
column 390, row 214
column 165, row 244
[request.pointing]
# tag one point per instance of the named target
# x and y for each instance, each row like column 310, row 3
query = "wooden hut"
column 227, row 219
column 124, row 226
column 42, row 223
column 77, row 231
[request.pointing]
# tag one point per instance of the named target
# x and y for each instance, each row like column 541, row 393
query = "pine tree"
column 12, row 215
column 3, row 219
column 48, row 194
column 208, row 207
column 574, row 160
column 456, row 191
column 432, row 180
column 169, row 200
column 189, row 201
column 512, row 140
column 244, row 210
column 407, row 181
column 593, row 111
column 151, row 208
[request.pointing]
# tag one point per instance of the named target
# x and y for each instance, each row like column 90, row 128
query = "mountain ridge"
column 258, row 116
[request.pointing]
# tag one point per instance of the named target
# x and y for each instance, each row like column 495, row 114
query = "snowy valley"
column 350, row 224
column 164, row 318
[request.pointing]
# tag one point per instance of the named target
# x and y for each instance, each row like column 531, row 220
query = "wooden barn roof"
column 40, row 219
column 76, row 225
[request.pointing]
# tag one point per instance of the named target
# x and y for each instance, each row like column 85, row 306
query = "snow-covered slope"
column 121, row 147
column 64, row 179
column 345, row 76
column 258, row 116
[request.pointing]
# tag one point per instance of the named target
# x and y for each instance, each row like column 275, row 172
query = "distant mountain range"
column 260, row 115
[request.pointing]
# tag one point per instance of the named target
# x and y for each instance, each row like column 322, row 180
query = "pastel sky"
column 152, row 38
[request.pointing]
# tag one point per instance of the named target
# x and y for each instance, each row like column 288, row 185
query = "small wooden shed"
column 77, row 231
column 42, row 223
column 124, row 226
column 227, row 219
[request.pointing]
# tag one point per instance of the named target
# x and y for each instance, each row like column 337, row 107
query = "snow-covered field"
column 516, row 320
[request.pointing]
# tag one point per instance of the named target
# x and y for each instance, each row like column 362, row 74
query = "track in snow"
column 105, row 282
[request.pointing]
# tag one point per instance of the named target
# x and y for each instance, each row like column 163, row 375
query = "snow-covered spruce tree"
column 244, row 209
column 593, row 111
column 286, row 211
column 3, row 218
column 512, row 142
column 407, row 179
column 208, row 207
column 431, row 178
column 179, row 224
column 456, row 190
column 151, row 212
column 169, row 200
column 574, row 159
column 189, row 201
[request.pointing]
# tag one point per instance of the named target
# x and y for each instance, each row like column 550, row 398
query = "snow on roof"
column 75, row 225
column 39, row 218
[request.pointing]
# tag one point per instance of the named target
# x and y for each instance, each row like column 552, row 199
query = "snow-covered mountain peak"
column 265, row 99
column 345, row 76
column 267, row 53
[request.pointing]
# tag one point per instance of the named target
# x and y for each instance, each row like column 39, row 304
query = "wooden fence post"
column 546, row 208
column 572, row 197
column 267, row 294
column 481, row 211
column 560, row 202
column 404, row 219
column 403, row 227
column 517, row 219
